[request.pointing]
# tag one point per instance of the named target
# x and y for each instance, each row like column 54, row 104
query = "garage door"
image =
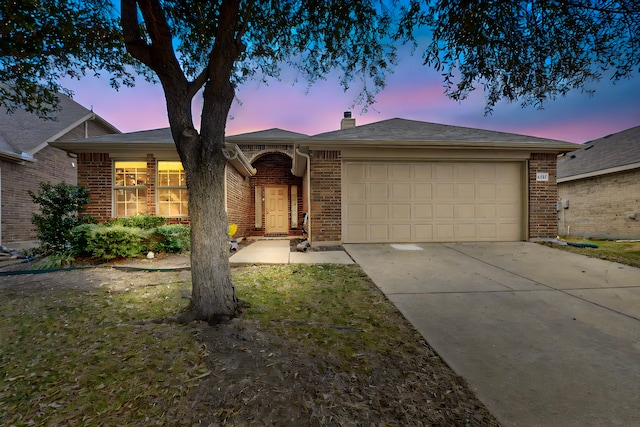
column 432, row 202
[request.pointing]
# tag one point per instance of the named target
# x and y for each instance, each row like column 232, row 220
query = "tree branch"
column 135, row 44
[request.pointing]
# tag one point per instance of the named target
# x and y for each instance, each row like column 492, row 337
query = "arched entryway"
column 278, row 196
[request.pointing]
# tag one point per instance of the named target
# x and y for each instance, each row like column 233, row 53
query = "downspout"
column 306, row 156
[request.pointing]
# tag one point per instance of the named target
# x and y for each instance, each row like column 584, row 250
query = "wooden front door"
column 277, row 203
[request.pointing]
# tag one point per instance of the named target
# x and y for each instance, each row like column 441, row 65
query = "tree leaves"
column 529, row 51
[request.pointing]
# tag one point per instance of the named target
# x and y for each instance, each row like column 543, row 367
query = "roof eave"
column 16, row 158
column 559, row 147
column 600, row 172
column 239, row 161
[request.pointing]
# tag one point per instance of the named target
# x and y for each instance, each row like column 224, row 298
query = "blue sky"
column 413, row 92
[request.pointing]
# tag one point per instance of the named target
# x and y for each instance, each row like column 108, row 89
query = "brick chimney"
column 347, row 122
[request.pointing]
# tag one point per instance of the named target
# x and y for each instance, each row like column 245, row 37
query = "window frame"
column 123, row 187
column 183, row 204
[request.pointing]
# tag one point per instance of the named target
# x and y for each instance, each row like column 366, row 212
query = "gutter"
column 236, row 157
column 17, row 158
column 308, row 213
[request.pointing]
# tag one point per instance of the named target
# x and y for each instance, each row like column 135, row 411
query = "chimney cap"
column 347, row 114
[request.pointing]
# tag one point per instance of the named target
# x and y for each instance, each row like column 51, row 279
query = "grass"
column 321, row 306
column 78, row 358
column 623, row 252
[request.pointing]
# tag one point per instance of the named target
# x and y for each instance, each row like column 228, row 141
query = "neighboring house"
column 26, row 160
column 391, row 181
column 599, row 188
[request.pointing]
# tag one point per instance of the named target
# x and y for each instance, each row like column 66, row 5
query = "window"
column 130, row 188
column 172, row 190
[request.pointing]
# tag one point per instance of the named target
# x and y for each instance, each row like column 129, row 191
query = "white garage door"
column 432, row 202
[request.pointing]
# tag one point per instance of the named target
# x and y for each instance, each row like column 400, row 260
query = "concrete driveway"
column 544, row 337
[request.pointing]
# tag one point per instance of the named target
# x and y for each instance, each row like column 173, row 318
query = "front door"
column 277, row 203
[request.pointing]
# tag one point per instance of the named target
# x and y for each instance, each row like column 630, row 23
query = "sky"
column 413, row 92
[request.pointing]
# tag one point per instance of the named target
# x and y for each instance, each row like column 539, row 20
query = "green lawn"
column 623, row 252
column 96, row 356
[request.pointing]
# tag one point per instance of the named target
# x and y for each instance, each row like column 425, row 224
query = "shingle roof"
column 25, row 132
column 274, row 134
column 612, row 151
column 411, row 130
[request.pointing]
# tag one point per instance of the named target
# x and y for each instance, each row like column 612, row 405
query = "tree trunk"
column 214, row 298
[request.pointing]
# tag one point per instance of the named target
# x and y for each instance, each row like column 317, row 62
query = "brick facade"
column 239, row 202
column 542, row 197
column 605, row 206
column 274, row 168
column 95, row 172
column 53, row 166
column 326, row 196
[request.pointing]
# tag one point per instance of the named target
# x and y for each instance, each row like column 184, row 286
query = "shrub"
column 80, row 237
column 60, row 205
column 145, row 222
column 172, row 238
column 116, row 241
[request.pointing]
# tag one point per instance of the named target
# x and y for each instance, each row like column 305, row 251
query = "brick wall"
column 606, row 206
column 543, row 196
column 326, row 196
column 53, row 166
column 239, row 202
column 274, row 168
column 95, row 172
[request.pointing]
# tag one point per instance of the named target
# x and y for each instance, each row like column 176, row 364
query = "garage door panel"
column 379, row 191
column 423, row 202
column 421, row 171
column 422, row 211
column 401, row 191
column 465, row 231
column 444, row 232
column 444, row 191
column 356, row 191
column 465, row 211
column 356, row 212
column 401, row 212
column 379, row 232
column 423, row 233
column 486, row 231
column 486, row 211
column 465, row 191
column 444, row 211
column 443, row 172
column 401, row 231
column 379, row 211
column 422, row 191
column 377, row 172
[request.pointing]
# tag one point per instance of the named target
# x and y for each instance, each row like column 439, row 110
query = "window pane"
column 131, row 196
column 171, row 174
column 131, row 202
column 173, row 203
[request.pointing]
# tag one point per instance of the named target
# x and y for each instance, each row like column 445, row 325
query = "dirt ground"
column 260, row 379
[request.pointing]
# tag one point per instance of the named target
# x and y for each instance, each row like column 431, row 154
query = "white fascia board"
column 599, row 172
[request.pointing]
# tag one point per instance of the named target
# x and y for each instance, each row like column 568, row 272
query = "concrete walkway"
column 544, row 337
column 279, row 252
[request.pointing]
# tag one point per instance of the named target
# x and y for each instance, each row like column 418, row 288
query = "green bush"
column 172, row 239
column 60, row 205
column 145, row 222
column 80, row 237
column 116, row 241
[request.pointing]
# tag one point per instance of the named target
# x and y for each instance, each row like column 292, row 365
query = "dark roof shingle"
column 611, row 151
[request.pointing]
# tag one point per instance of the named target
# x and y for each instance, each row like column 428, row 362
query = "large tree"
column 530, row 51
